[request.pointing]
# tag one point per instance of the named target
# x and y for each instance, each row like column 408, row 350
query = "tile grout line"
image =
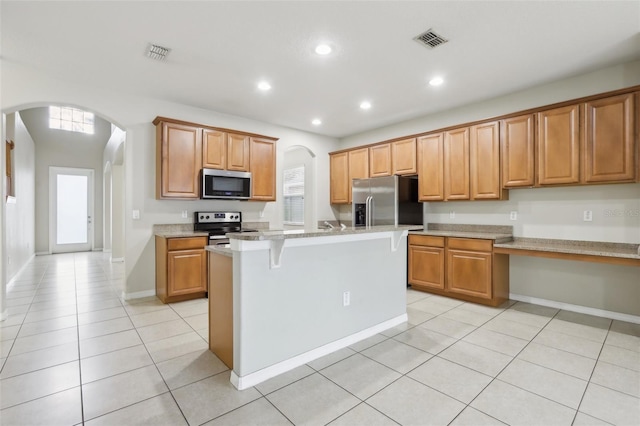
column 78, row 335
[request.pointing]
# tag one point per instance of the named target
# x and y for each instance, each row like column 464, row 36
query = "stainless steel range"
column 217, row 224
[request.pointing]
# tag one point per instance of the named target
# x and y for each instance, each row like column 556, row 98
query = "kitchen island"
column 294, row 296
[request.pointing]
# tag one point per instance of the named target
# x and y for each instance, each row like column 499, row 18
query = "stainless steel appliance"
column 217, row 224
column 226, row 184
column 387, row 200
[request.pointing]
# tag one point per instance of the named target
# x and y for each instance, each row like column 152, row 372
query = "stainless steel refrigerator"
column 387, row 200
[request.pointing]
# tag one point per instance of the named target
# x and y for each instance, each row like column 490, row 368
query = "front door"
column 71, row 209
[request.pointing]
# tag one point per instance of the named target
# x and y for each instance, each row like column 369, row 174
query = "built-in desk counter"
column 588, row 251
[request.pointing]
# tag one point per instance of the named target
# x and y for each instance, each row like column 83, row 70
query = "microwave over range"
column 226, row 184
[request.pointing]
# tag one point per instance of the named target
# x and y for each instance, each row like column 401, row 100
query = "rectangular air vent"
column 157, row 52
column 430, row 39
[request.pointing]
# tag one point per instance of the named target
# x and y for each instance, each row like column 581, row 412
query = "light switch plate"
column 136, row 215
column 587, row 215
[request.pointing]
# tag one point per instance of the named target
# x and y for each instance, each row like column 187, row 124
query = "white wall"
column 65, row 149
column 23, row 87
column 548, row 212
column 20, row 223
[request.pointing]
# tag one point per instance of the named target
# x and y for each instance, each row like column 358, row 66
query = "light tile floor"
column 73, row 352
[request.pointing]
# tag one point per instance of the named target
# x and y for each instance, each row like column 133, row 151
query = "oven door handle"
column 217, row 237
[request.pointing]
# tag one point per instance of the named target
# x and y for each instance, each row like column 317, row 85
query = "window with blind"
column 294, row 196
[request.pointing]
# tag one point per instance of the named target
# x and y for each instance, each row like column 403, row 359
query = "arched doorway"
column 301, row 158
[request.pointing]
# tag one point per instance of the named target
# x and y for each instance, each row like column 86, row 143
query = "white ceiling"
column 220, row 50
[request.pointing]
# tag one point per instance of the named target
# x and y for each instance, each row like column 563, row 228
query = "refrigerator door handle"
column 371, row 207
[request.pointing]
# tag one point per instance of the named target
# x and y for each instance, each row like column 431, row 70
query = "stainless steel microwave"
column 226, row 184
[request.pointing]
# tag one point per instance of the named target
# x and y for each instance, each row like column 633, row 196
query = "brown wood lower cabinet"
column 181, row 268
column 221, row 308
column 463, row 268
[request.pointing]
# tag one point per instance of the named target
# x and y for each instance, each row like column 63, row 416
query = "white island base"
column 300, row 296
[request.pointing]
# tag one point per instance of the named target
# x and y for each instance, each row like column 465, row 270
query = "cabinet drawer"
column 186, row 243
column 470, row 244
column 426, row 240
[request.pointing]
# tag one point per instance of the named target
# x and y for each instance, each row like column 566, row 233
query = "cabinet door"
column 404, row 159
column 484, row 161
column 339, row 178
column 179, row 159
column 237, row 152
column 214, row 149
column 430, row 168
column 263, row 169
column 609, row 150
column 426, row 266
column 517, row 146
column 456, row 164
column 469, row 273
column 358, row 166
column 380, row 160
column 187, row 270
column 559, row 145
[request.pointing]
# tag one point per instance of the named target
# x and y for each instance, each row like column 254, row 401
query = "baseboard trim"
column 96, row 249
column 577, row 308
column 260, row 376
column 117, row 259
column 4, row 315
column 43, row 253
column 138, row 294
column 106, row 250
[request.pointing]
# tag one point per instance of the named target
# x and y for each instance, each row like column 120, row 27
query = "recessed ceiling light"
column 316, row 122
column 323, row 49
column 436, row 81
column 264, row 86
column 365, row 105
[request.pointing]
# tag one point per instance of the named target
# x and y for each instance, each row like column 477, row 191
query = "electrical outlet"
column 587, row 215
column 452, row 214
column 513, row 215
column 346, row 298
column 185, row 214
column 136, row 215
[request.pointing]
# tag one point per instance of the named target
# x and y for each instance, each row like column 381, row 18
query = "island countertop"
column 317, row 232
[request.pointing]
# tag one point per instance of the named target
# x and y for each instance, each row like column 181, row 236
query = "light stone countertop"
column 225, row 251
column 318, row 232
column 498, row 233
column 591, row 248
column 498, row 238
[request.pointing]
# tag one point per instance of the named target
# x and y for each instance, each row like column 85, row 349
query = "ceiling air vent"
column 157, row 52
column 430, row 39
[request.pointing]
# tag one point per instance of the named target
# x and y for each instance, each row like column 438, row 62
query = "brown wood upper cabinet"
column 609, row 146
column 456, row 164
column 263, row 169
column 588, row 143
column 517, row 146
column 339, row 178
column 380, row 160
column 404, row 157
column 214, row 149
column 178, row 162
column 559, row 146
column 430, row 168
column 183, row 149
column 393, row 158
column 237, row 152
column 358, row 166
column 484, row 162
column 343, row 168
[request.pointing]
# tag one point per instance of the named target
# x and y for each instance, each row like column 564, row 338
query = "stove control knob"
column 207, row 216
